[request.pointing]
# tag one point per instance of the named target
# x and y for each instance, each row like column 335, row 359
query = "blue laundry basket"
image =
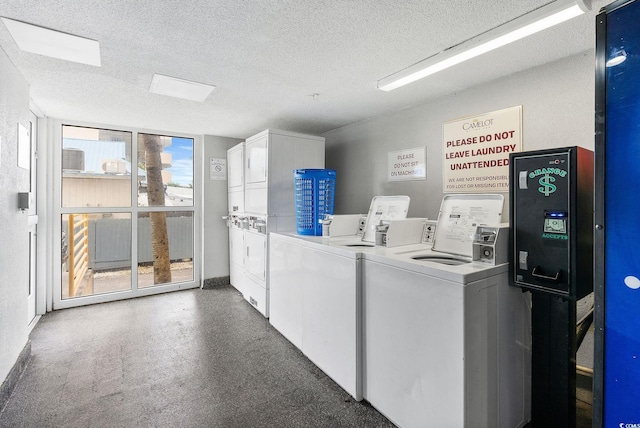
column 315, row 195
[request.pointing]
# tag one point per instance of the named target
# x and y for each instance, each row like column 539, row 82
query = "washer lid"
column 384, row 208
column 459, row 217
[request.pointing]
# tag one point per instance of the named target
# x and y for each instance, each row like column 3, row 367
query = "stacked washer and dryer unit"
column 261, row 200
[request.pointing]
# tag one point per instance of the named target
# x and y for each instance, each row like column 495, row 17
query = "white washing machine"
column 315, row 301
column 315, row 304
column 446, row 345
column 315, row 294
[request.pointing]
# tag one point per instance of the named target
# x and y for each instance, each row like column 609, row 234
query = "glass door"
column 165, row 214
column 127, row 214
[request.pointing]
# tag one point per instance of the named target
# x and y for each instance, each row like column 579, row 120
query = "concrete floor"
column 195, row 358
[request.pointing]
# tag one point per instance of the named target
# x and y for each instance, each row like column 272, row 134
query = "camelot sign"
column 476, row 151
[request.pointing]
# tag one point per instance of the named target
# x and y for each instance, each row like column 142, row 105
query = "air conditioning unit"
column 72, row 160
column 114, row 166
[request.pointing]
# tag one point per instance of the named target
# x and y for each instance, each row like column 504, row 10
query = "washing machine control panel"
column 490, row 244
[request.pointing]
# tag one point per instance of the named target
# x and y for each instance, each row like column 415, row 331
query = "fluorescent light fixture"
column 180, row 88
column 47, row 42
column 542, row 18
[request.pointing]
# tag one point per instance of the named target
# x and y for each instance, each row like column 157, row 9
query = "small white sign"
column 409, row 164
column 217, row 169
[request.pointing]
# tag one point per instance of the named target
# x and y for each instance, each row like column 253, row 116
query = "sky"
column 181, row 150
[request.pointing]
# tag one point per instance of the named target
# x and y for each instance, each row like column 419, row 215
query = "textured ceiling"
column 306, row 66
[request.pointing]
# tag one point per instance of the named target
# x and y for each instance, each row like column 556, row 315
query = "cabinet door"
column 256, row 161
column 255, row 255
column 235, row 167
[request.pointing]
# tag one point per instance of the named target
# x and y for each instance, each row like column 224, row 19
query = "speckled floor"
column 196, row 358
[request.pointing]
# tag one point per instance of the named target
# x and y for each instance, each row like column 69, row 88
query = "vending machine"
column 616, row 395
column 551, row 248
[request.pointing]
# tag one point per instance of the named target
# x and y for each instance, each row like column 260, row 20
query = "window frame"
column 57, row 210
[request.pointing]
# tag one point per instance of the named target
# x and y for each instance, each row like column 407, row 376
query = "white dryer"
column 446, row 341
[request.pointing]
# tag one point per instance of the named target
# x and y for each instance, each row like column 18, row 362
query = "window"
column 127, row 213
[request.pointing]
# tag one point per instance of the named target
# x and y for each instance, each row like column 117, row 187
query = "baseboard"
column 210, row 283
column 9, row 384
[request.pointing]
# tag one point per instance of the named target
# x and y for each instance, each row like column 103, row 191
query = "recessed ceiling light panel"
column 47, row 42
column 180, row 88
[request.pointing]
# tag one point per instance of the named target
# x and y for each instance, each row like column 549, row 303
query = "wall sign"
column 410, row 164
column 476, row 151
column 217, row 169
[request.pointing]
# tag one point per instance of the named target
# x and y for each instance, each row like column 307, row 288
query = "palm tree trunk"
column 155, row 194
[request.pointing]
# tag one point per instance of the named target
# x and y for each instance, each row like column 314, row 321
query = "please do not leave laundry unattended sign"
column 409, row 164
column 476, row 151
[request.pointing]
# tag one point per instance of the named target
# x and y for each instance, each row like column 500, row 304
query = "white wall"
column 558, row 105
column 14, row 255
column 558, row 111
column 215, row 234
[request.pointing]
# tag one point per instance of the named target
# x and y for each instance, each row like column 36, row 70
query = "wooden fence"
column 78, row 250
